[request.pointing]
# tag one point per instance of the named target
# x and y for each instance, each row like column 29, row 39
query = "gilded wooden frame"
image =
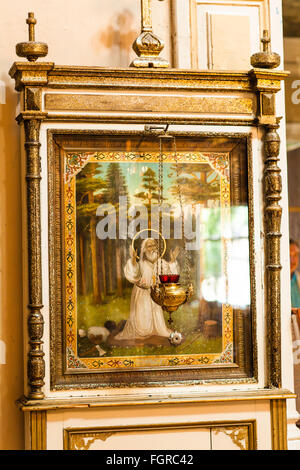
column 244, row 368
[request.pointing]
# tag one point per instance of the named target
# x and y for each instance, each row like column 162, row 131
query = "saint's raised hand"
column 134, row 255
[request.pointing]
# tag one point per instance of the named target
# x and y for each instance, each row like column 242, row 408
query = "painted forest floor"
column 185, row 321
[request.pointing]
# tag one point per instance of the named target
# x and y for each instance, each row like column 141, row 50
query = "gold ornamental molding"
column 49, row 75
column 239, row 435
column 149, row 103
column 26, row 404
column 242, row 433
column 28, row 74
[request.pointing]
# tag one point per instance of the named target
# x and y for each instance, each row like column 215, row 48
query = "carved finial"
column 147, row 45
column 31, row 50
column 265, row 59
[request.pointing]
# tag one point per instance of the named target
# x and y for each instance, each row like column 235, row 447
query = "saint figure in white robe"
column 146, row 317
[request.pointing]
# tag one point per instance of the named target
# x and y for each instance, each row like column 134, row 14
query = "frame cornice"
column 33, row 80
column 60, row 77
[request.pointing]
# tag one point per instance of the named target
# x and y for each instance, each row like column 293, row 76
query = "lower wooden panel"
column 198, row 436
column 279, row 424
column 38, row 430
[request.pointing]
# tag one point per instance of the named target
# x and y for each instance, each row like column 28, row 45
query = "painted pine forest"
column 103, row 293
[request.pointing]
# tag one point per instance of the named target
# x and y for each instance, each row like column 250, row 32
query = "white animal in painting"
column 96, row 335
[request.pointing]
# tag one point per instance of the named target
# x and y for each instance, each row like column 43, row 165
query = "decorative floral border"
column 74, row 163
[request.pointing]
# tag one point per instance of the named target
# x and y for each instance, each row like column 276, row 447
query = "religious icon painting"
column 151, row 258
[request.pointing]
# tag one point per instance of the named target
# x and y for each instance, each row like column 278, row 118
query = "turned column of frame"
column 29, row 78
column 267, row 83
column 273, row 212
column 36, row 363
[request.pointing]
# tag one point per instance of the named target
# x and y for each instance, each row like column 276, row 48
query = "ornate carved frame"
column 244, row 368
column 219, row 98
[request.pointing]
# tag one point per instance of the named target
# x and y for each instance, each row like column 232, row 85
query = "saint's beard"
column 151, row 256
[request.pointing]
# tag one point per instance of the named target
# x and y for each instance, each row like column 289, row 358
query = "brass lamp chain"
column 187, row 269
column 170, row 295
column 160, row 199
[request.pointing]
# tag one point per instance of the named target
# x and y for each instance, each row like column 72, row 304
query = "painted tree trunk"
column 96, row 290
column 102, row 265
column 82, row 265
column 109, row 264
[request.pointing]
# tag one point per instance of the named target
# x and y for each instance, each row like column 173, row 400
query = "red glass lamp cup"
column 169, row 278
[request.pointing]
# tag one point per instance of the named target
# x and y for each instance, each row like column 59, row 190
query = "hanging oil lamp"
column 167, row 292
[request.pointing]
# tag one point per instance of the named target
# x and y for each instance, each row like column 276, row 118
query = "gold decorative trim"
column 266, row 81
column 250, row 332
column 124, row 118
column 38, row 430
column 82, row 438
column 76, row 441
column 239, row 435
column 279, row 424
column 72, row 168
column 28, row 74
column 207, row 80
column 33, row 99
column 61, row 77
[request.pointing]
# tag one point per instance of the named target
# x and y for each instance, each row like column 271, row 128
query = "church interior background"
column 213, row 36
